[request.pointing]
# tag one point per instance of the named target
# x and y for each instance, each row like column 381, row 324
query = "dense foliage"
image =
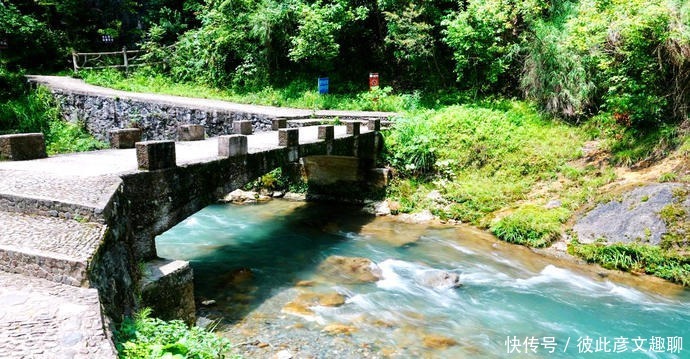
column 143, row 337
column 627, row 59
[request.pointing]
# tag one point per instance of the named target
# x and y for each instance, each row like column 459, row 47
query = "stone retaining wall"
column 157, row 120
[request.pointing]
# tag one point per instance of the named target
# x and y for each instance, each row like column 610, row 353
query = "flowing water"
column 513, row 302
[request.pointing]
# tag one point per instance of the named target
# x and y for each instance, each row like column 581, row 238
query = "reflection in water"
column 260, row 264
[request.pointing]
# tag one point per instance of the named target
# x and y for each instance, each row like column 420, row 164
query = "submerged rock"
column 208, row 302
column 421, row 217
column 350, row 269
column 239, row 196
column 297, row 308
column 283, row 354
column 336, row 328
column 438, row 279
column 377, row 208
column 438, row 342
column 305, row 283
column 304, row 301
column 238, row 276
column 297, row 197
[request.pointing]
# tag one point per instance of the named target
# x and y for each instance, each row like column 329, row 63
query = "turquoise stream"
column 244, row 256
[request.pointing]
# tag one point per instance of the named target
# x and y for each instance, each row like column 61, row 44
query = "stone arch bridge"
column 77, row 231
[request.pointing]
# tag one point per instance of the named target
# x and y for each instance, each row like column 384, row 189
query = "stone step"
column 55, row 249
column 43, row 319
column 84, row 198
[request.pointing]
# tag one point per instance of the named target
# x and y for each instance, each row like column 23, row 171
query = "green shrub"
column 554, row 75
column 66, row 137
column 531, row 225
column 38, row 112
column 143, row 337
column 668, row 177
column 635, row 257
column 410, row 146
column 12, row 83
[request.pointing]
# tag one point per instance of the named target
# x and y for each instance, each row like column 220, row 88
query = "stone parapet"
column 157, row 120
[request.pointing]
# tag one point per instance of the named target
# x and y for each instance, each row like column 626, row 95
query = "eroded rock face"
column 635, row 217
column 350, row 269
column 438, row 279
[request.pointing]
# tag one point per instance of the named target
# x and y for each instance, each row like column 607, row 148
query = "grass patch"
column 629, row 145
column 481, row 157
column 143, row 337
column 636, row 258
column 531, row 226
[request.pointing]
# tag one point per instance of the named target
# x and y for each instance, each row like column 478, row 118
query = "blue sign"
column 323, row 85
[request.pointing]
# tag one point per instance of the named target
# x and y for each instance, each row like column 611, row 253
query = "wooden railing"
column 100, row 60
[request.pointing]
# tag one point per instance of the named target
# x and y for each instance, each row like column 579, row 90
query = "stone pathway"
column 79, row 86
column 43, row 319
column 50, row 248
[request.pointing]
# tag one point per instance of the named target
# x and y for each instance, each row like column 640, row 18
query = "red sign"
column 373, row 80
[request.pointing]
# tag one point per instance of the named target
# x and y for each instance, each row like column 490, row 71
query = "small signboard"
column 373, row 80
column 323, row 85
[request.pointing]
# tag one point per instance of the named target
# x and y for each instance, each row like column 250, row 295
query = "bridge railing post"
column 155, row 155
column 232, row 145
column 242, row 127
column 22, row 146
column 278, row 123
column 326, row 132
column 288, row 137
column 124, row 137
column 190, row 132
column 374, row 124
column 353, row 128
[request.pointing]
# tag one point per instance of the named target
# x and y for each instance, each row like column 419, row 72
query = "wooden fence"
column 100, row 60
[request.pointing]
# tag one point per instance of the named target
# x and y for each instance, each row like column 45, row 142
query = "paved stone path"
column 44, row 319
column 79, row 86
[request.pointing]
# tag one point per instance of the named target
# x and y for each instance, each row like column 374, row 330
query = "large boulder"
column 438, row 279
column 350, row 269
column 634, row 217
